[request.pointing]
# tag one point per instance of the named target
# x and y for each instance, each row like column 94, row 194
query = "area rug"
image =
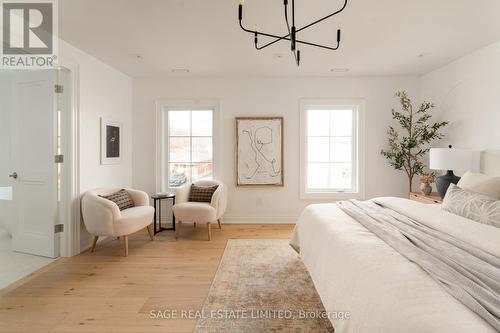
column 262, row 286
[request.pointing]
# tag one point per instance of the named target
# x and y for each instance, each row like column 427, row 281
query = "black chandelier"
column 292, row 31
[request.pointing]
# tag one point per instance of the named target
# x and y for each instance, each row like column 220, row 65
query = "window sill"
column 331, row 195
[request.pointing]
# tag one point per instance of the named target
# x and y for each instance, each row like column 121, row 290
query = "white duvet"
column 354, row 271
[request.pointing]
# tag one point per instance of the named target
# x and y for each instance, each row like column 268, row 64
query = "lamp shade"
column 450, row 159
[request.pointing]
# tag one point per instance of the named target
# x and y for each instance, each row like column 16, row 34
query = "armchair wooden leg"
column 149, row 232
column 94, row 243
column 209, row 226
column 125, row 245
column 177, row 232
column 220, row 225
column 194, row 224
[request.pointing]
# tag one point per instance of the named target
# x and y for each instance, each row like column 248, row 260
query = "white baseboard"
column 259, row 219
column 250, row 220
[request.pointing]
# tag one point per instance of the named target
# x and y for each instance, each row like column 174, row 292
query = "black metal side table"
column 157, row 205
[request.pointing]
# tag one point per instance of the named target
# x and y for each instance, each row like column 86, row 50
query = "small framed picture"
column 259, row 151
column 111, row 145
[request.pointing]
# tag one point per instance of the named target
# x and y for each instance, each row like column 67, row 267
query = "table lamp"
column 449, row 159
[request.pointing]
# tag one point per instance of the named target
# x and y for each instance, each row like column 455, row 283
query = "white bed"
column 355, row 271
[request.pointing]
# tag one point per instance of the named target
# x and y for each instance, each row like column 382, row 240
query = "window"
column 330, row 149
column 187, row 144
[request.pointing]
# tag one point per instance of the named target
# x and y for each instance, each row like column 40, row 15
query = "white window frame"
column 162, row 107
column 358, row 144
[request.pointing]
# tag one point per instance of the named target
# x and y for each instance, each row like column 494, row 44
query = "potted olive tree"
column 409, row 144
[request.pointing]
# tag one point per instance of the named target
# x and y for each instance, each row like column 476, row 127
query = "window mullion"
column 352, row 144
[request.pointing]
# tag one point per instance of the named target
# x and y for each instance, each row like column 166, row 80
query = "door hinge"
column 58, row 228
column 58, row 89
column 59, row 158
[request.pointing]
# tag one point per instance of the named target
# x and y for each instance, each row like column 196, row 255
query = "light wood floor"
column 106, row 292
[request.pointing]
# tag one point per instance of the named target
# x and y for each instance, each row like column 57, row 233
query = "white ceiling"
column 381, row 37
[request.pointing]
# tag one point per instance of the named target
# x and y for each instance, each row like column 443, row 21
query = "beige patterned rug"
column 262, row 286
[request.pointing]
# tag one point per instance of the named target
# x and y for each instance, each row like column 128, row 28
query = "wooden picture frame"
column 259, row 151
column 111, row 142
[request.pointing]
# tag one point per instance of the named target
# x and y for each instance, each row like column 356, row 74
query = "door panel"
column 6, row 205
column 34, row 125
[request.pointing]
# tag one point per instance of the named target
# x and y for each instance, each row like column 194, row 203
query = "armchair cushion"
column 195, row 212
column 121, row 198
column 202, row 193
column 133, row 219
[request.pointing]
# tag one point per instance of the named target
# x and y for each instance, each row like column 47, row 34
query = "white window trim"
column 359, row 142
column 184, row 104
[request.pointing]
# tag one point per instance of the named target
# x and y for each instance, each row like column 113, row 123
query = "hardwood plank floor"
column 106, row 292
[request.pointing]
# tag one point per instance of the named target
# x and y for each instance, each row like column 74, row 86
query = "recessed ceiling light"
column 424, row 54
column 278, row 55
column 339, row 70
column 136, row 56
column 179, row 70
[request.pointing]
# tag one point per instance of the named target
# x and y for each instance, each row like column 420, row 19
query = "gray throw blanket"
column 469, row 274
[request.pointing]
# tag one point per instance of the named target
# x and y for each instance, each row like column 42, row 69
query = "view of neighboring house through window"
column 189, row 146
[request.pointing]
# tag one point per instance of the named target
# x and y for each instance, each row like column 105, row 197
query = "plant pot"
column 426, row 189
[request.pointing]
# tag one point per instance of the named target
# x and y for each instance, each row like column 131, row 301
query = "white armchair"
column 102, row 217
column 186, row 211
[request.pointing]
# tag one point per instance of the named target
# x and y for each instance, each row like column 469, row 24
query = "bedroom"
column 169, row 74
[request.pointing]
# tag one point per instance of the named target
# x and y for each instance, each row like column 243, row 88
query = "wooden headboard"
column 490, row 162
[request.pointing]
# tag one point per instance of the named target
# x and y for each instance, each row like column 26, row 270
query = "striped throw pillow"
column 202, row 193
column 474, row 206
column 121, row 198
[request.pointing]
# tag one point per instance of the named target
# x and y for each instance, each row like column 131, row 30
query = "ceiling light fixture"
column 292, row 31
column 137, row 56
column 339, row 70
column 179, row 70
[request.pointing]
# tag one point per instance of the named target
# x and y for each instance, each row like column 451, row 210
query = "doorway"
column 34, row 136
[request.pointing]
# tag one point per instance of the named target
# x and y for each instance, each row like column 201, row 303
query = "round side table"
column 157, row 205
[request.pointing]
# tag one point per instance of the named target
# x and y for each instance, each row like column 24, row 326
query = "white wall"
column 467, row 93
column 270, row 96
column 103, row 92
column 5, row 143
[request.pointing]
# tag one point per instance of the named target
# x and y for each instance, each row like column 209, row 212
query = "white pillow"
column 480, row 183
column 471, row 205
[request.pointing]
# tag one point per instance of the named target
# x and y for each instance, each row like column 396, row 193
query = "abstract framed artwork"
column 259, row 151
column 111, row 145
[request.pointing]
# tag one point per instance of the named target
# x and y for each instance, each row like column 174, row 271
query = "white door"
column 34, row 145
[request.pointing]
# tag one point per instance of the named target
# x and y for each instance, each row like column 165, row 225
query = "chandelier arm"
column 286, row 37
column 280, row 38
column 332, row 48
column 261, row 33
column 324, row 18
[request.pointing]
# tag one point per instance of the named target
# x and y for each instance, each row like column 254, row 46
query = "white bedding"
column 353, row 270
